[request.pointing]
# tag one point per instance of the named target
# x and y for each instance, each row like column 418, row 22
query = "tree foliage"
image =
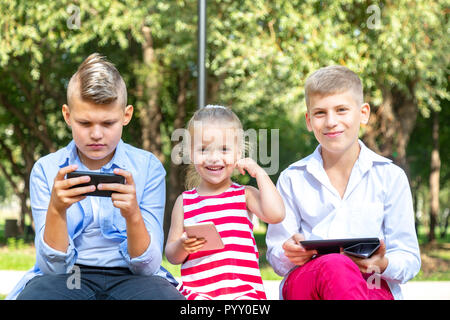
column 259, row 54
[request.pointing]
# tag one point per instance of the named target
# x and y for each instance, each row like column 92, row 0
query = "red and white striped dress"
column 228, row 273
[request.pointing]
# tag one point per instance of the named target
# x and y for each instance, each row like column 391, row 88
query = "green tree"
column 419, row 156
column 259, row 55
column 151, row 43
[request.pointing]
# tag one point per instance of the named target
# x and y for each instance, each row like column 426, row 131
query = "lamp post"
column 201, row 53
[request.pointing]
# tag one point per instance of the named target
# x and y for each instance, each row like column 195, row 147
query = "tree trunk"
column 415, row 194
column 177, row 172
column 390, row 126
column 434, row 178
column 444, row 223
column 11, row 228
column 150, row 112
column 22, row 170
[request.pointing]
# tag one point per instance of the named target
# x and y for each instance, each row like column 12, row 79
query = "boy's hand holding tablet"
column 295, row 252
column 368, row 254
column 376, row 262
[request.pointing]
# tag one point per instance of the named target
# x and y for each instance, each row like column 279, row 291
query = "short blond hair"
column 97, row 80
column 331, row 80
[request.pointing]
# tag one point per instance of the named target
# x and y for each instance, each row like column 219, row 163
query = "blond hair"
column 210, row 114
column 97, row 80
column 331, row 80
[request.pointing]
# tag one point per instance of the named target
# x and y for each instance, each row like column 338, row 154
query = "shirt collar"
column 314, row 165
column 365, row 160
column 70, row 156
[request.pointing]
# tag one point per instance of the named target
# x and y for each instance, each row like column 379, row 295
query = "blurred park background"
column 259, row 54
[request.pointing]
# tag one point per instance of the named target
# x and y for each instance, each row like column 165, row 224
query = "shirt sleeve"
column 278, row 233
column 49, row 260
column 402, row 248
column 152, row 210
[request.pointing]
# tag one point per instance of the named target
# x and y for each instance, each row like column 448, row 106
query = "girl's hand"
column 265, row 201
column 192, row 245
column 376, row 263
column 250, row 165
column 295, row 251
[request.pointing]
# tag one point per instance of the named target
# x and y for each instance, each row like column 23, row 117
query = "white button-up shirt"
column 377, row 203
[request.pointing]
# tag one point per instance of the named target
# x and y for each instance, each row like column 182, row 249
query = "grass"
column 16, row 254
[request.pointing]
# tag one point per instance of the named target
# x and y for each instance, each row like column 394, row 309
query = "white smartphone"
column 207, row 231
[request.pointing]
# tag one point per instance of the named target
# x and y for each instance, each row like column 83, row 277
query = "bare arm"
column 265, row 201
column 178, row 246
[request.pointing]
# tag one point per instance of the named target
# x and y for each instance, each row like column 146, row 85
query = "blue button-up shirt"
column 149, row 177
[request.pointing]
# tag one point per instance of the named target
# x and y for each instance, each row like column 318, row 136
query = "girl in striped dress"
column 215, row 148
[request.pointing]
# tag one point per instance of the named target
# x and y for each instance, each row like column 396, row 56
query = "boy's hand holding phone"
column 66, row 191
column 124, row 195
column 63, row 195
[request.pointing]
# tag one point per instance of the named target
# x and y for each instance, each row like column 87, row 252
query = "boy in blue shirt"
column 95, row 247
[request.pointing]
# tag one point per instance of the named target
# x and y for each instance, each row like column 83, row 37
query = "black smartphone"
column 96, row 178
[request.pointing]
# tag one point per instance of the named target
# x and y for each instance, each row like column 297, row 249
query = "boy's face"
column 96, row 129
column 335, row 120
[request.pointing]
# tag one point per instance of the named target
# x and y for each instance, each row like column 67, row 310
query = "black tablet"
column 359, row 247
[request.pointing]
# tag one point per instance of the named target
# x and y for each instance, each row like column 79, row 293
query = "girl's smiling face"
column 214, row 152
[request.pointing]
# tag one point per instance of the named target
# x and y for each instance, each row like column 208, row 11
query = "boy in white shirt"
column 342, row 190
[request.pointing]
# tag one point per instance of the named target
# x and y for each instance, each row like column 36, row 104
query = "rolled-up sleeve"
column 148, row 262
column 51, row 261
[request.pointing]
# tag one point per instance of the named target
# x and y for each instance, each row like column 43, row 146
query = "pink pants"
column 332, row 277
